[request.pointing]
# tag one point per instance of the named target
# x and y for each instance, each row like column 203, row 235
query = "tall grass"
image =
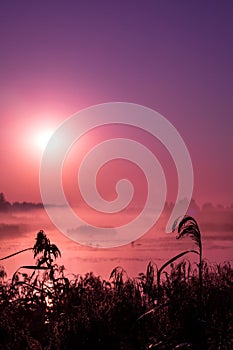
column 158, row 309
column 188, row 226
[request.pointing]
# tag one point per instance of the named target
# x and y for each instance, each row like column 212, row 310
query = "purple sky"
column 173, row 56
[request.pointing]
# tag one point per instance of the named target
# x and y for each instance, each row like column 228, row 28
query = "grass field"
column 175, row 306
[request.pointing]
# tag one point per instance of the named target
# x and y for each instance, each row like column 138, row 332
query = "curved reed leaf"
column 21, row 251
column 34, row 267
column 175, row 258
column 151, row 311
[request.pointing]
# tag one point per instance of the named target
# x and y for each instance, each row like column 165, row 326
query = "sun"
column 42, row 139
column 36, row 133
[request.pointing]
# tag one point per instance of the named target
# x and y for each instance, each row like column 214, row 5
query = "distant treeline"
column 194, row 208
column 206, row 207
column 6, row 206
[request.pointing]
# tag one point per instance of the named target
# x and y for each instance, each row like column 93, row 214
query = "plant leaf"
column 175, row 258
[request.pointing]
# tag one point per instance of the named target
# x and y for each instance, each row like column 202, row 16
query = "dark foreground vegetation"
column 175, row 306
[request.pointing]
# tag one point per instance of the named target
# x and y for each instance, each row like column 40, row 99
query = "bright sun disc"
column 42, row 139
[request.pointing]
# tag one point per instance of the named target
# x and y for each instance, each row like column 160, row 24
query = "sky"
column 174, row 57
